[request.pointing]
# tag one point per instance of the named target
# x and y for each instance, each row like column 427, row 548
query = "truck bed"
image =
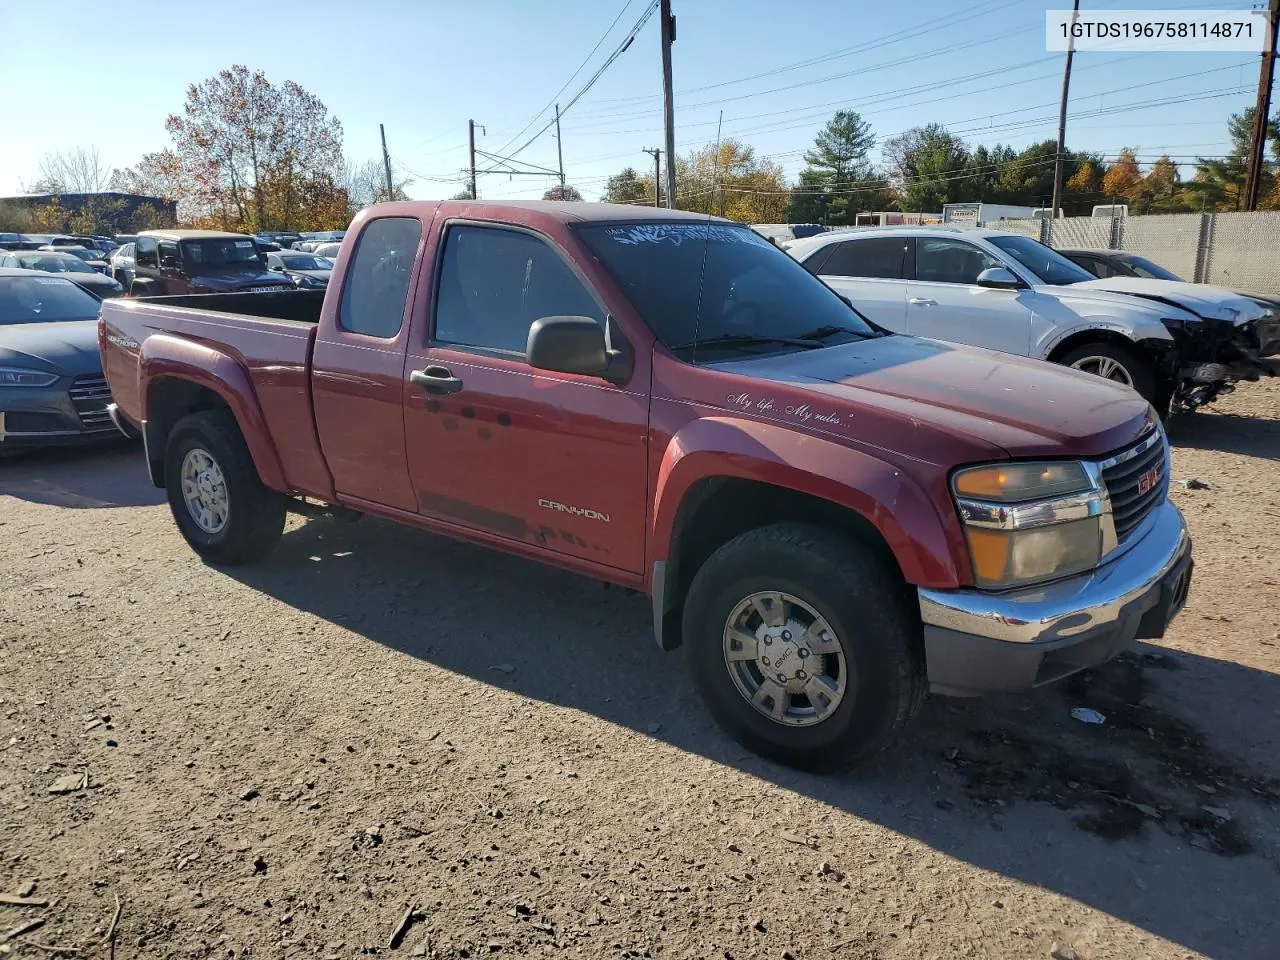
column 269, row 335
column 302, row 306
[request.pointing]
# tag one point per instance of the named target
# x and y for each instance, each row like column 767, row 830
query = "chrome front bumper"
column 978, row 642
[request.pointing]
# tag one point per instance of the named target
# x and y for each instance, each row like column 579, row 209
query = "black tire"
column 867, row 607
column 255, row 515
column 1141, row 374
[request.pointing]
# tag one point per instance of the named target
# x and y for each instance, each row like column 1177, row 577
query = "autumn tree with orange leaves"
column 249, row 155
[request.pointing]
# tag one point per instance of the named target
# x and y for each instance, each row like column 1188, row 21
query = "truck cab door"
column 554, row 460
column 945, row 301
column 357, row 368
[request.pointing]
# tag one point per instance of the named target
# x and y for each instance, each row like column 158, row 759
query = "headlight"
column 18, row 377
column 1030, row 522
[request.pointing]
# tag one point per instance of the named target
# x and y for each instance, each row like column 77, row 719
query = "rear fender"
column 164, row 356
column 895, row 506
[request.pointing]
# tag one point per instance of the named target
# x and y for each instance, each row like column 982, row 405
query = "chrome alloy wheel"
column 204, row 491
column 1105, row 367
column 785, row 659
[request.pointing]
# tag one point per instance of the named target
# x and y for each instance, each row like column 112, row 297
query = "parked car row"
column 1179, row 345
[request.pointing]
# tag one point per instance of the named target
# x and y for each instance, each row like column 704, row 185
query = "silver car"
column 1008, row 292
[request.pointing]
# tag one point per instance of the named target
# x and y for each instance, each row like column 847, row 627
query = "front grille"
column 1133, row 487
column 90, row 397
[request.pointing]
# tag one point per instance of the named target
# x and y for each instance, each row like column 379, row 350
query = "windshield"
column 1048, row 266
column 305, row 263
column 44, row 300
column 219, row 252
column 55, row 263
column 748, row 288
column 1145, row 268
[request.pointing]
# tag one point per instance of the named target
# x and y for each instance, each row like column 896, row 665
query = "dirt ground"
column 279, row 761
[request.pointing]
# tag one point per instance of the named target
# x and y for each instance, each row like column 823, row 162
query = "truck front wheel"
column 804, row 646
column 219, row 503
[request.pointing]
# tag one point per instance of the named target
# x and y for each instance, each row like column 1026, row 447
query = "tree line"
column 929, row 166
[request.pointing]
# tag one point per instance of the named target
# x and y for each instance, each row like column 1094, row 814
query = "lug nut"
column 765, row 661
column 768, row 640
column 803, row 651
column 800, row 675
column 786, row 634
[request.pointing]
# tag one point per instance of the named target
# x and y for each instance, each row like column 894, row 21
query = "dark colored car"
column 1121, row 263
column 306, row 270
column 66, row 265
column 90, row 255
column 9, row 241
column 52, row 391
column 168, row 262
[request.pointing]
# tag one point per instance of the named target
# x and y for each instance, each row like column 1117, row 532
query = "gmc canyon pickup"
column 832, row 519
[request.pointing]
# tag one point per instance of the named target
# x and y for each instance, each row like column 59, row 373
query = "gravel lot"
column 281, row 760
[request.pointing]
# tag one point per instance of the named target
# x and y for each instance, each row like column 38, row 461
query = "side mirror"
column 568, row 345
column 999, row 278
column 170, row 263
column 848, row 302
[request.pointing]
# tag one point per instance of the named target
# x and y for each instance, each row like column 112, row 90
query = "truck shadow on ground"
column 108, row 474
column 1141, row 817
column 1227, row 433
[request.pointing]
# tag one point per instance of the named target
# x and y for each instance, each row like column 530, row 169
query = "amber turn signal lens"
column 989, row 550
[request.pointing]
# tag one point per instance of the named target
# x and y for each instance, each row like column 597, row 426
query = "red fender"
column 892, row 502
column 168, row 356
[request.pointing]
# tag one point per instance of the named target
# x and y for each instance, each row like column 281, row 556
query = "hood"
column 68, row 348
column 949, row 396
column 91, row 281
column 1085, row 294
column 318, row 274
column 236, row 279
column 1212, row 303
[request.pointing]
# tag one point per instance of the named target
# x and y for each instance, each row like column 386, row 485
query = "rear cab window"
column 376, row 287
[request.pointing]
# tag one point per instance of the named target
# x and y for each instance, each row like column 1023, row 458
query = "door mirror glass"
column 999, row 278
column 568, row 345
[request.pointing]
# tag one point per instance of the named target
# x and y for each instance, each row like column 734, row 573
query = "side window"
column 146, row 253
column 943, row 260
column 875, row 257
column 1100, row 268
column 377, row 282
column 494, row 283
column 169, row 254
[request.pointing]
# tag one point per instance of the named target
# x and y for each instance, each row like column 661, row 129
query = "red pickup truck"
column 830, row 518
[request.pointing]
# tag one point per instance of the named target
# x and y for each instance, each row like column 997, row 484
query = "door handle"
column 437, row 380
column 922, row 302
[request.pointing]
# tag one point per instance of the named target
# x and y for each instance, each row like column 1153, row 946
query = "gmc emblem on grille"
column 1148, row 480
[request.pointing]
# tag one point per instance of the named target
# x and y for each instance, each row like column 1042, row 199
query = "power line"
column 621, row 49
column 572, row 76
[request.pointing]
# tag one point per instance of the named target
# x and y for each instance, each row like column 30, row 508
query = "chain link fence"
column 1235, row 250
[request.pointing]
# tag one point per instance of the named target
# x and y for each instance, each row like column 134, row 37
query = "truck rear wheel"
column 219, row 503
column 804, row 646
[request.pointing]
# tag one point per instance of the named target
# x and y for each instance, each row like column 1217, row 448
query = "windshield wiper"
column 821, row 333
column 748, row 339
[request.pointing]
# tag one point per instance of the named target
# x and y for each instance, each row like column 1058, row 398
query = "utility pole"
column 386, row 163
column 471, row 135
column 559, row 147
column 656, row 153
column 668, row 106
column 1262, row 112
column 1062, row 117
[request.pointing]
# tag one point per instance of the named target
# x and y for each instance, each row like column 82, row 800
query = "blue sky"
column 423, row 67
